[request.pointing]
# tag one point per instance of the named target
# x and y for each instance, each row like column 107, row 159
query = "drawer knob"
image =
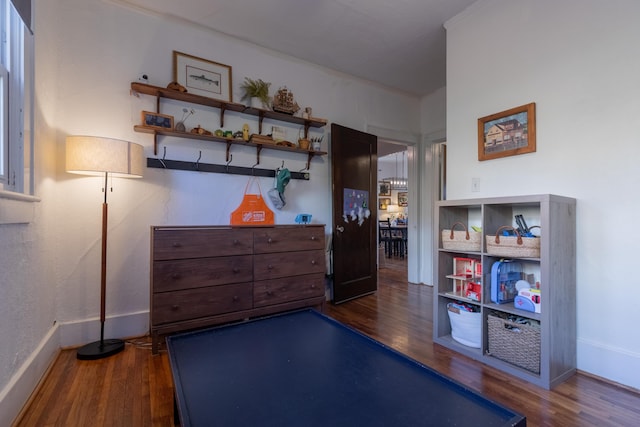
column 269, row 240
column 235, row 241
column 175, row 307
column 270, row 266
column 313, row 237
column 313, row 262
column 236, row 270
column 175, row 276
column 176, row 245
column 270, row 293
column 235, row 298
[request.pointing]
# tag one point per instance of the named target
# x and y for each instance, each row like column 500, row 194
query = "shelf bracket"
column 223, row 108
column 155, row 143
column 258, row 150
column 306, row 129
column 228, row 150
column 309, row 157
column 260, row 118
column 158, row 102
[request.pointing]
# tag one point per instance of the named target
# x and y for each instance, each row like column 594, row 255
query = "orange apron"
column 252, row 210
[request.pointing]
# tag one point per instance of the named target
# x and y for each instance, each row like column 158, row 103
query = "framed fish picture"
column 202, row 77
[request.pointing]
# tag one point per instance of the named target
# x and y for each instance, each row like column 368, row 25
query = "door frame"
column 415, row 244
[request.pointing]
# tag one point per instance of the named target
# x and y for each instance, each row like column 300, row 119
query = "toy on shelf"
column 467, row 273
column 528, row 299
column 504, row 275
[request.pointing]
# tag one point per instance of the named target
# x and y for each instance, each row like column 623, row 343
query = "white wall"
column 96, row 69
column 579, row 61
column 87, row 54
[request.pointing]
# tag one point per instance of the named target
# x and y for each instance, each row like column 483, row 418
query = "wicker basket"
column 513, row 246
column 515, row 343
column 461, row 240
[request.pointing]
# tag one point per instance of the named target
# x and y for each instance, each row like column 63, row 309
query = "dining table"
column 395, row 239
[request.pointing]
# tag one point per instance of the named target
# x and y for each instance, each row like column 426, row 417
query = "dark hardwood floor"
column 134, row 388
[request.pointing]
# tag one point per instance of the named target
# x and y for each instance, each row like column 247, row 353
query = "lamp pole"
column 102, row 348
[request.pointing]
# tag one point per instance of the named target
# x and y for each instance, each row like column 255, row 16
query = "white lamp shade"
column 94, row 155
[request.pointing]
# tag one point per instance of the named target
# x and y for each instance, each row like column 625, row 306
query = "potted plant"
column 257, row 91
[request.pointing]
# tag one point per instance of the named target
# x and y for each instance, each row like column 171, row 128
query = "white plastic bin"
column 465, row 326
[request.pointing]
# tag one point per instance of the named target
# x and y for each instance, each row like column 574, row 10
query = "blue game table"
column 306, row 369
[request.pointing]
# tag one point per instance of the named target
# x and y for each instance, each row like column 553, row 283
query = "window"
column 16, row 93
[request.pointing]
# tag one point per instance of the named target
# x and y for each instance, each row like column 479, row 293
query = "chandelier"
column 398, row 182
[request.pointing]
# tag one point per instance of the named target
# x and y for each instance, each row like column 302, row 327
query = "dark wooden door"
column 354, row 164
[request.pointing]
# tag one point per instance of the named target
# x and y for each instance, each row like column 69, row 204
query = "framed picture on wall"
column 157, row 120
column 383, row 202
column 403, row 199
column 384, row 188
column 202, row 77
column 507, row 133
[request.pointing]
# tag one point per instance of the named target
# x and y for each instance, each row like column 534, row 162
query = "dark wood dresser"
column 209, row 275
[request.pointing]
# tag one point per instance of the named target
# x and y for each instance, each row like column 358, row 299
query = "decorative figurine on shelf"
column 176, row 86
column 283, row 101
column 245, row 132
column 180, row 127
column 201, row 131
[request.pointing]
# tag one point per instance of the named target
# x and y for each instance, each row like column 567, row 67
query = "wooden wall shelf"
column 229, row 141
column 160, row 92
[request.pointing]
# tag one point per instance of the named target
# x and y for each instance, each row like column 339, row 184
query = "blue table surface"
column 306, row 369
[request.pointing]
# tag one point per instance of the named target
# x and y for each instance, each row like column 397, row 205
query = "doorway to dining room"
column 393, row 205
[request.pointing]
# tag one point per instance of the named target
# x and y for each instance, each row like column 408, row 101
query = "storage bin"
column 516, row 343
column 465, row 326
column 461, row 240
column 513, row 246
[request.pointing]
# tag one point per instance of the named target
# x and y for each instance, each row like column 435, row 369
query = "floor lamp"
column 91, row 155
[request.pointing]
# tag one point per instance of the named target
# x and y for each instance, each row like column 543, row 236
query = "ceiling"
column 400, row 43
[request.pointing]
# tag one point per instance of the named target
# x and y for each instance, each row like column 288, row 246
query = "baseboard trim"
column 80, row 332
column 25, row 381
column 609, row 362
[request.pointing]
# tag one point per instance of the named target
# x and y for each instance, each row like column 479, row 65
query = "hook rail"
column 215, row 168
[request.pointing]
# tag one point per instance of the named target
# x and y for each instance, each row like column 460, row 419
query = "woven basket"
column 515, row 343
column 461, row 240
column 513, row 246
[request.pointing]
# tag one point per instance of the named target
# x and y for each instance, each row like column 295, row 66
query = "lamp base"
column 100, row 349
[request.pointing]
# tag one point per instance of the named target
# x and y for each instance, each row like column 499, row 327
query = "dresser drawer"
column 276, row 291
column 272, row 266
column 176, row 243
column 285, row 239
column 201, row 302
column 201, row 272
